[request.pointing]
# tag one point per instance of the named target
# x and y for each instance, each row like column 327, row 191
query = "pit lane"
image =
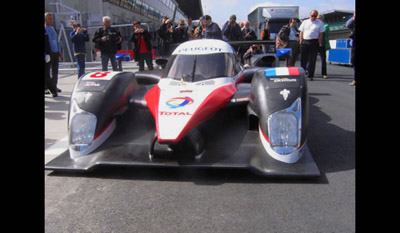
column 206, row 200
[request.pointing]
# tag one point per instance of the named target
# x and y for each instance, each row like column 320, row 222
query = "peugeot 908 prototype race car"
column 202, row 110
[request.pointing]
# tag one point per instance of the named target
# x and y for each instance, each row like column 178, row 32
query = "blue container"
column 123, row 56
column 281, row 52
column 343, row 43
column 341, row 56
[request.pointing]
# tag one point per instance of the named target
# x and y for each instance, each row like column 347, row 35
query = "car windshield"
column 193, row 68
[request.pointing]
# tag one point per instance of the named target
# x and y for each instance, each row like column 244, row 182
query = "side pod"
column 279, row 98
column 95, row 101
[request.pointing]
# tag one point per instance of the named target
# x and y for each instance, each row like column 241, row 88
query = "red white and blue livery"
column 202, row 110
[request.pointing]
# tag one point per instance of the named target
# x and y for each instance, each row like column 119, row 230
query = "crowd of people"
column 309, row 40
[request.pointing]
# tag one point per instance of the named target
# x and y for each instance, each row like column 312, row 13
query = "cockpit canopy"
column 199, row 67
column 198, row 60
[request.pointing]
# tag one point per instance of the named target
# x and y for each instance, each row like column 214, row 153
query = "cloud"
column 208, row 5
column 336, row 5
column 228, row 3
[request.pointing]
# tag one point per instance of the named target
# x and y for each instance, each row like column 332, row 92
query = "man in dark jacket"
column 288, row 37
column 142, row 46
column 212, row 30
column 180, row 33
column 248, row 33
column 107, row 39
column 165, row 33
column 231, row 30
column 78, row 38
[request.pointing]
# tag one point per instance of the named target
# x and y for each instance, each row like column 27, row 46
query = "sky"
column 221, row 10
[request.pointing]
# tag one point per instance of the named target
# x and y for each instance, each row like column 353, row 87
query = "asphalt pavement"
column 207, row 200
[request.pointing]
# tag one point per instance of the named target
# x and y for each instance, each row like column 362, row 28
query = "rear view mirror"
column 162, row 62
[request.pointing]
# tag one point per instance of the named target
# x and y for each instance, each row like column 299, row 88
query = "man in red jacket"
column 142, row 50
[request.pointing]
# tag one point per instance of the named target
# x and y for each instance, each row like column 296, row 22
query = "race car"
column 203, row 110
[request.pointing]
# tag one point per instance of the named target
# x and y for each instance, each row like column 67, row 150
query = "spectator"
column 142, row 46
column 254, row 49
column 282, row 39
column 165, row 32
column 198, row 31
column 293, row 42
column 241, row 25
column 180, row 33
column 351, row 24
column 288, row 38
column 324, row 46
column 190, row 28
column 78, row 38
column 47, row 79
column 107, row 40
column 311, row 33
column 265, row 32
column 212, row 30
column 247, row 32
column 55, row 48
column 231, row 30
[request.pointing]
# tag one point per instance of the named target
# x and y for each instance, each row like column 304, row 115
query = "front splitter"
column 229, row 145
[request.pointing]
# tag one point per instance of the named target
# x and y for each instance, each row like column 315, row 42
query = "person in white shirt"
column 311, row 33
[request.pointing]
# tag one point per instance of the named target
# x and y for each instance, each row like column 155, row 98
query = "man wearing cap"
column 142, row 46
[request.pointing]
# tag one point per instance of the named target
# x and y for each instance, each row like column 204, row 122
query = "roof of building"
column 191, row 8
column 334, row 13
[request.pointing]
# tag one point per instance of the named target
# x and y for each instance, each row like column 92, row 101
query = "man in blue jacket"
column 55, row 48
column 78, row 38
column 212, row 30
column 47, row 79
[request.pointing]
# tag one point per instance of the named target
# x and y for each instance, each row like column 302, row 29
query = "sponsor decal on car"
column 179, row 102
column 165, row 113
column 285, row 93
column 281, row 71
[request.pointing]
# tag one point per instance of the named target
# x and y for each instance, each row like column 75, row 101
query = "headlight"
column 82, row 129
column 82, row 126
column 284, row 129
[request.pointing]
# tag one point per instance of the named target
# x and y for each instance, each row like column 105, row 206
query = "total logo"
column 178, row 102
column 165, row 113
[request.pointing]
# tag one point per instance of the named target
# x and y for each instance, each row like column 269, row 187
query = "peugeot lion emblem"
column 285, row 93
